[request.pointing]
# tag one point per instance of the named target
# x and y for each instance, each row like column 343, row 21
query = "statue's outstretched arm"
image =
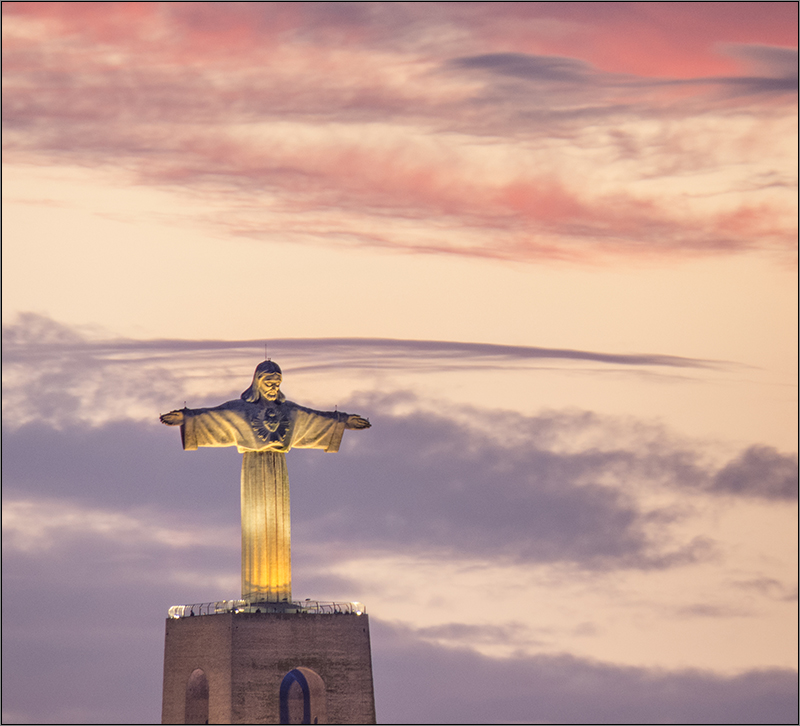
column 357, row 422
column 173, row 418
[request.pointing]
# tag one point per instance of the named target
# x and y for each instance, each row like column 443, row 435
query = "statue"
column 263, row 425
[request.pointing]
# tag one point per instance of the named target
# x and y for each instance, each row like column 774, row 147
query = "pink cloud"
column 678, row 40
column 112, row 23
column 166, row 89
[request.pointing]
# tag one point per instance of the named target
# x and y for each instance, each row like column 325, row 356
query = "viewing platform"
column 310, row 607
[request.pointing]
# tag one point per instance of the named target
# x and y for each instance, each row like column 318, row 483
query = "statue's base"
column 268, row 663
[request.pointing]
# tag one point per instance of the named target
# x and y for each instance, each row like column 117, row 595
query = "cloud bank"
column 459, row 686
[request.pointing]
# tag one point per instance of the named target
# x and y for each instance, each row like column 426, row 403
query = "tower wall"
column 246, row 656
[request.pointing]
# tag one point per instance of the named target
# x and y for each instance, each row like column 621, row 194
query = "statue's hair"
column 252, row 394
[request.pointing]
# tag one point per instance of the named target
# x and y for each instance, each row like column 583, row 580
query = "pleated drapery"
column 266, row 527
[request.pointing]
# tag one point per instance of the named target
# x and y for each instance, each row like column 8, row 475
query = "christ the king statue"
column 263, row 425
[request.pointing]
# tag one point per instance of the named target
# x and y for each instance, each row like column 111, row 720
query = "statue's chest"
column 272, row 424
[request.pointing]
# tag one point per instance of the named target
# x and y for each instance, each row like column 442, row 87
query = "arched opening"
column 302, row 698
column 196, row 698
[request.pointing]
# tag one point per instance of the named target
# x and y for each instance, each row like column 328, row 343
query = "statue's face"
column 269, row 385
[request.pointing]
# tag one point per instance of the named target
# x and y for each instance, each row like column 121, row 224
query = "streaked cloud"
column 774, row 71
column 769, row 587
column 546, row 69
column 61, row 373
column 326, row 122
column 34, row 336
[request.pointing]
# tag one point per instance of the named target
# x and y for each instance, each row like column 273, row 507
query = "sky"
column 548, row 249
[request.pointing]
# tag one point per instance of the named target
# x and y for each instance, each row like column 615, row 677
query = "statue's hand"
column 173, row 418
column 356, row 422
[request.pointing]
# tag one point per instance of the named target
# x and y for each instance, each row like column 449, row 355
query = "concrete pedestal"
column 254, row 668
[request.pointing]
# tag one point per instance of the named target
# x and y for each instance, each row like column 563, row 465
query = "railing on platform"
column 313, row 607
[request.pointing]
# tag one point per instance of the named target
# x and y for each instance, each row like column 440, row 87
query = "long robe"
column 263, row 432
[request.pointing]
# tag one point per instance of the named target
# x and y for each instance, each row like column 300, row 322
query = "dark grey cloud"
column 454, row 495
column 85, row 627
column 759, row 471
column 122, row 465
column 780, row 74
column 529, row 67
column 83, row 624
column 461, row 686
column 752, row 85
column 447, row 486
column 418, row 483
column 83, row 631
column 770, row 59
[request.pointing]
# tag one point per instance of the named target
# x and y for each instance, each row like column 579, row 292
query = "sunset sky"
column 548, row 249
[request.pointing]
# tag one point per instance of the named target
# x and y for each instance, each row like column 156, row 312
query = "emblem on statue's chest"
column 271, row 424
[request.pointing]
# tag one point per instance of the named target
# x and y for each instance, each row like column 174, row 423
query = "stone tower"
column 236, row 662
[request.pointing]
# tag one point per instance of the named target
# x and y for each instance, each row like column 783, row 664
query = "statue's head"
column 266, row 384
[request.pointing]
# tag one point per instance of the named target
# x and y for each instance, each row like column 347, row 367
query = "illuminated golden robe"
column 263, row 433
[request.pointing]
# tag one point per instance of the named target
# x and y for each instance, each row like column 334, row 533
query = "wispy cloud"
column 59, row 373
column 774, row 71
column 769, row 587
column 324, row 123
column 36, row 338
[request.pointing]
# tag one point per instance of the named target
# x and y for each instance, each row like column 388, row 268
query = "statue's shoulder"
column 292, row 407
column 238, row 405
